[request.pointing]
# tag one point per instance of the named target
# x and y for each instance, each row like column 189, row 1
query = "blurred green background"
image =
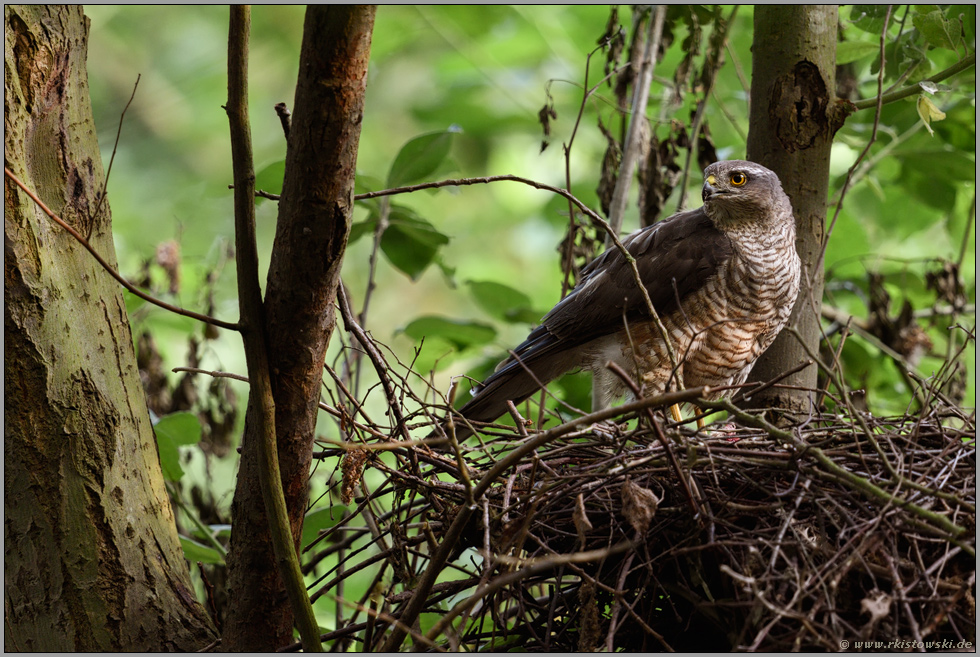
column 485, row 72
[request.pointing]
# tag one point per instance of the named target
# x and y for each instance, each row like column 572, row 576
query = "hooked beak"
column 708, row 190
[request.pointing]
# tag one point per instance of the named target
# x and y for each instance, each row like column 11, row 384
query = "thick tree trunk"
column 91, row 556
column 314, row 220
column 791, row 130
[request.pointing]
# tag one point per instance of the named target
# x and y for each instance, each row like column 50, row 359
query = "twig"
column 962, row 65
column 712, row 63
column 566, row 264
column 197, row 522
column 678, row 472
column 526, row 570
column 112, row 158
column 630, row 260
column 938, row 522
column 282, row 111
column 254, row 330
column 377, row 359
column 111, row 271
column 850, row 172
column 461, row 521
column 638, row 114
column 380, row 366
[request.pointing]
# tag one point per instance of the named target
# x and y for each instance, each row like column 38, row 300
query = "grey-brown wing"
column 674, row 258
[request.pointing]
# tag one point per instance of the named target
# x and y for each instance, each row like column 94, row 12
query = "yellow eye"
column 739, row 179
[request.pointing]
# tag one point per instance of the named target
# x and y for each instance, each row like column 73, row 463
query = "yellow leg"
column 699, row 414
column 675, row 412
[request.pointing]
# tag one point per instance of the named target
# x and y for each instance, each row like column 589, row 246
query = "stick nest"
column 639, row 537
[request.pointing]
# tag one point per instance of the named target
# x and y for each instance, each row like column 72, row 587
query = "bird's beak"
column 707, row 190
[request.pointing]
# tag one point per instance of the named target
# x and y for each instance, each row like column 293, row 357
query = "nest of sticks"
column 649, row 535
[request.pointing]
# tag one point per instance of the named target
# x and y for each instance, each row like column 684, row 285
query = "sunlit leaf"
column 270, row 178
column 420, row 157
column 194, row 552
column 433, row 354
column 448, row 271
column 173, row 430
column 936, row 29
column 503, row 302
column 460, row 333
column 870, row 18
column 933, row 87
column 133, row 302
column 182, row 427
column 851, row 51
column 410, row 242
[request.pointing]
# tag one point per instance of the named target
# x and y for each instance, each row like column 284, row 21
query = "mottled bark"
column 314, row 220
column 791, row 128
column 91, row 556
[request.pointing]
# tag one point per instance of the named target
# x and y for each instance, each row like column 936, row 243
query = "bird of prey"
column 723, row 279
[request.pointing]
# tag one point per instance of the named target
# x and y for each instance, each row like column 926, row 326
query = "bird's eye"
column 738, row 179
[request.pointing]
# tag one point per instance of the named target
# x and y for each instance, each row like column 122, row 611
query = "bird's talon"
column 606, row 430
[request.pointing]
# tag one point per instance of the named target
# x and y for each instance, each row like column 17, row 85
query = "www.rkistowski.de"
column 945, row 644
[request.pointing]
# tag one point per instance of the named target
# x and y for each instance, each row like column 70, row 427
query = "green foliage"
column 420, row 157
column 409, row 242
column 937, row 29
column 195, row 552
column 851, row 51
column 462, row 334
column 907, row 213
column 173, row 431
column 504, row 302
column 269, row 178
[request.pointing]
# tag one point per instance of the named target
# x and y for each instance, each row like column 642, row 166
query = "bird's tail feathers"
column 515, row 381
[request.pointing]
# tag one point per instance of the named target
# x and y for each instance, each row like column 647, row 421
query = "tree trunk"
column 791, row 129
column 91, row 556
column 314, row 220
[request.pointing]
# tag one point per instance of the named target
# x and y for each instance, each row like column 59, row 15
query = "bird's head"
column 738, row 191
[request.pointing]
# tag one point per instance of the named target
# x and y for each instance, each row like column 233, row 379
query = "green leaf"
column 182, row 427
column 870, row 18
column 172, row 431
column 270, row 178
column 935, row 193
column 410, row 242
column 321, row 519
column 362, row 228
column 459, row 333
column 851, row 51
column 936, row 29
column 448, row 272
column 433, row 354
column 219, row 530
column 420, row 157
column 194, row 552
column 364, row 183
column 942, row 165
column 133, row 302
column 504, row 302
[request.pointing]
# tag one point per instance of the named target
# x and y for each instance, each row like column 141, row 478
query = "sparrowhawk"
column 723, row 279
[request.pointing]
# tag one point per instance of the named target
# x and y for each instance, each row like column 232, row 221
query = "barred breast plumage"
column 723, row 278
